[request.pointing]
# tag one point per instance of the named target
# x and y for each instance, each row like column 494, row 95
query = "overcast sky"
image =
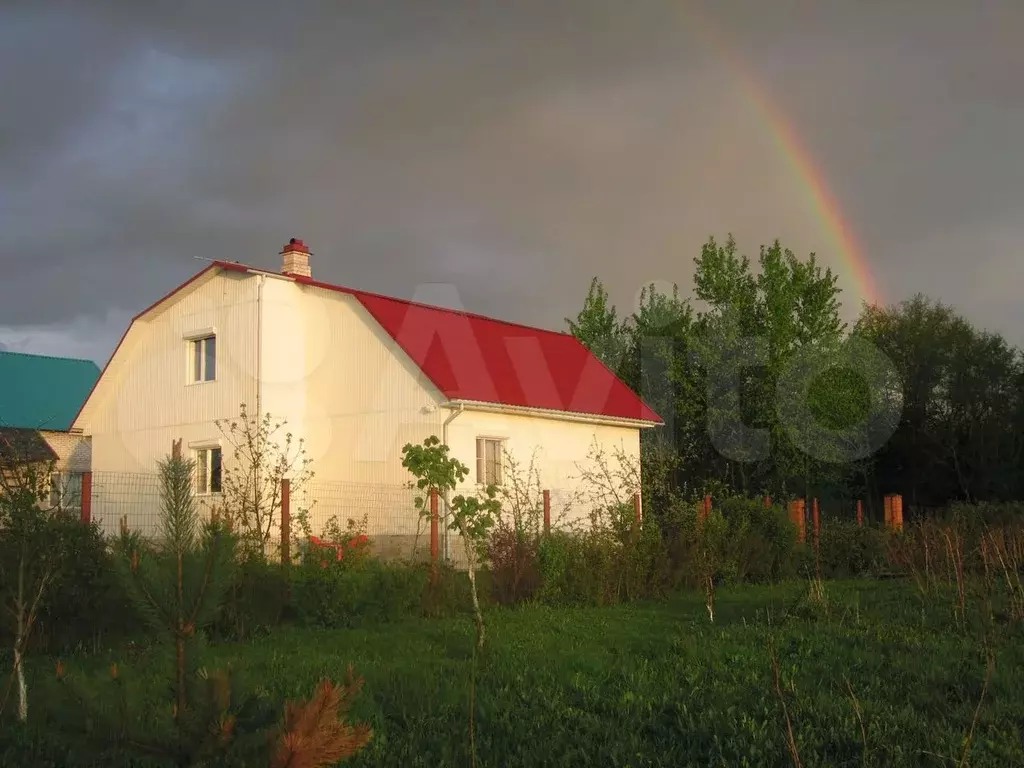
column 512, row 150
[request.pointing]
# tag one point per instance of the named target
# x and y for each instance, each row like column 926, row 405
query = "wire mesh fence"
column 132, row 496
column 388, row 514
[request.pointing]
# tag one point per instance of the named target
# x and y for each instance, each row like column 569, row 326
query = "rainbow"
column 791, row 148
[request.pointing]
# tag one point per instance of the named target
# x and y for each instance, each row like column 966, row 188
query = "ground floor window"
column 65, row 490
column 208, row 470
column 489, row 452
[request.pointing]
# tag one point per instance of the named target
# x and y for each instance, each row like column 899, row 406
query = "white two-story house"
column 355, row 375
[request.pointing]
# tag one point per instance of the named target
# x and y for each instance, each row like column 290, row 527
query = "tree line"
column 765, row 390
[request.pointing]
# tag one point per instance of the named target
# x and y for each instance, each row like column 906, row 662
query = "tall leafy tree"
column 598, row 328
column 962, row 399
column 751, row 332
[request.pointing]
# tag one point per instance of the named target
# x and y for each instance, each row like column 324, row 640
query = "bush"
column 84, row 605
column 612, row 562
column 515, row 572
column 563, row 565
column 447, row 590
column 256, row 601
column 330, row 594
column 741, row 542
column 847, row 550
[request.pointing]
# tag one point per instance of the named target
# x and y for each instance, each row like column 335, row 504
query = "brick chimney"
column 295, row 259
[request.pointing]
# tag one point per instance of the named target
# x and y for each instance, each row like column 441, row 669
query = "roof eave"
column 550, row 413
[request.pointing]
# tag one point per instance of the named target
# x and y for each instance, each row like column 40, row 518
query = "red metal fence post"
column 767, row 501
column 703, row 511
column 547, row 512
column 286, row 521
column 887, row 506
column 796, row 515
column 637, row 509
column 87, row 497
column 897, row 511
column 860, row 513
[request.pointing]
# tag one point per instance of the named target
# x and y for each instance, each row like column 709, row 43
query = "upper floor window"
column 204, row 358
column 208, row 470
column 489, row 452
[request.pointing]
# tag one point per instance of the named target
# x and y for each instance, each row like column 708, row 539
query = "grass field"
column 872, row 678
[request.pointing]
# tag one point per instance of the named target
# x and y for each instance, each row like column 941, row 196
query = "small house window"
column 208, row 470
column 488, row 460
column 65, row 491
column 204, row 358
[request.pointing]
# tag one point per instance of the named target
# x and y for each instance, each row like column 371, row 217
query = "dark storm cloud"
column 512, row 149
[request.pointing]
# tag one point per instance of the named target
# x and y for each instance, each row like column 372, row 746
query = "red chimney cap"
column 294, row 244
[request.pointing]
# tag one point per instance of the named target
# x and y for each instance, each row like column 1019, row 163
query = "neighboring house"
column 39, row 398
column 356, row 375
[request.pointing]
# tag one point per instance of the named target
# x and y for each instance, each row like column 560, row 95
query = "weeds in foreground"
column 794, row 751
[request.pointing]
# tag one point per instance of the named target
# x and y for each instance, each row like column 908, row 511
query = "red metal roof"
column 477, row 358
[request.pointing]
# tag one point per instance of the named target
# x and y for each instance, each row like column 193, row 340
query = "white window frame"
column 498, row 465
column 197, row 340
column 59, row 487
column 202, row 455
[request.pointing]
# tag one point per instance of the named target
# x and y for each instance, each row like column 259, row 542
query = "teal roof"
column 39, row 392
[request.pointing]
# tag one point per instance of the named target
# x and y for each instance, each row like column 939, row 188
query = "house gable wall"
column 147, row 400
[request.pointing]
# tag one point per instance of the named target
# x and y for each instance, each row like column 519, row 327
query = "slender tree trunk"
column 472, row 589
column 19, row 644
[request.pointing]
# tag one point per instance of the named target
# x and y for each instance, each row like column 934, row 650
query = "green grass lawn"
column 644, row 685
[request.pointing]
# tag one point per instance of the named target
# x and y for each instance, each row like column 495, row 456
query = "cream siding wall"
column 346, row 387
column 343, row 384
column 148, row 401
column 558, row 450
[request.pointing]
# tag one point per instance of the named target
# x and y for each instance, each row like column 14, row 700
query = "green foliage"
column 432, row 467
column 961, row 435
column 87, row 605
column 764, row 348
column 472, row 517
column 256, row 602
column 326, row 593
column 513, row 557
column 847, row 550
column 606, row 564
column 257, row 460
column 598, row 327
column 650, row 684
column 176, row 585
column 742, row 541
column 32, row 554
